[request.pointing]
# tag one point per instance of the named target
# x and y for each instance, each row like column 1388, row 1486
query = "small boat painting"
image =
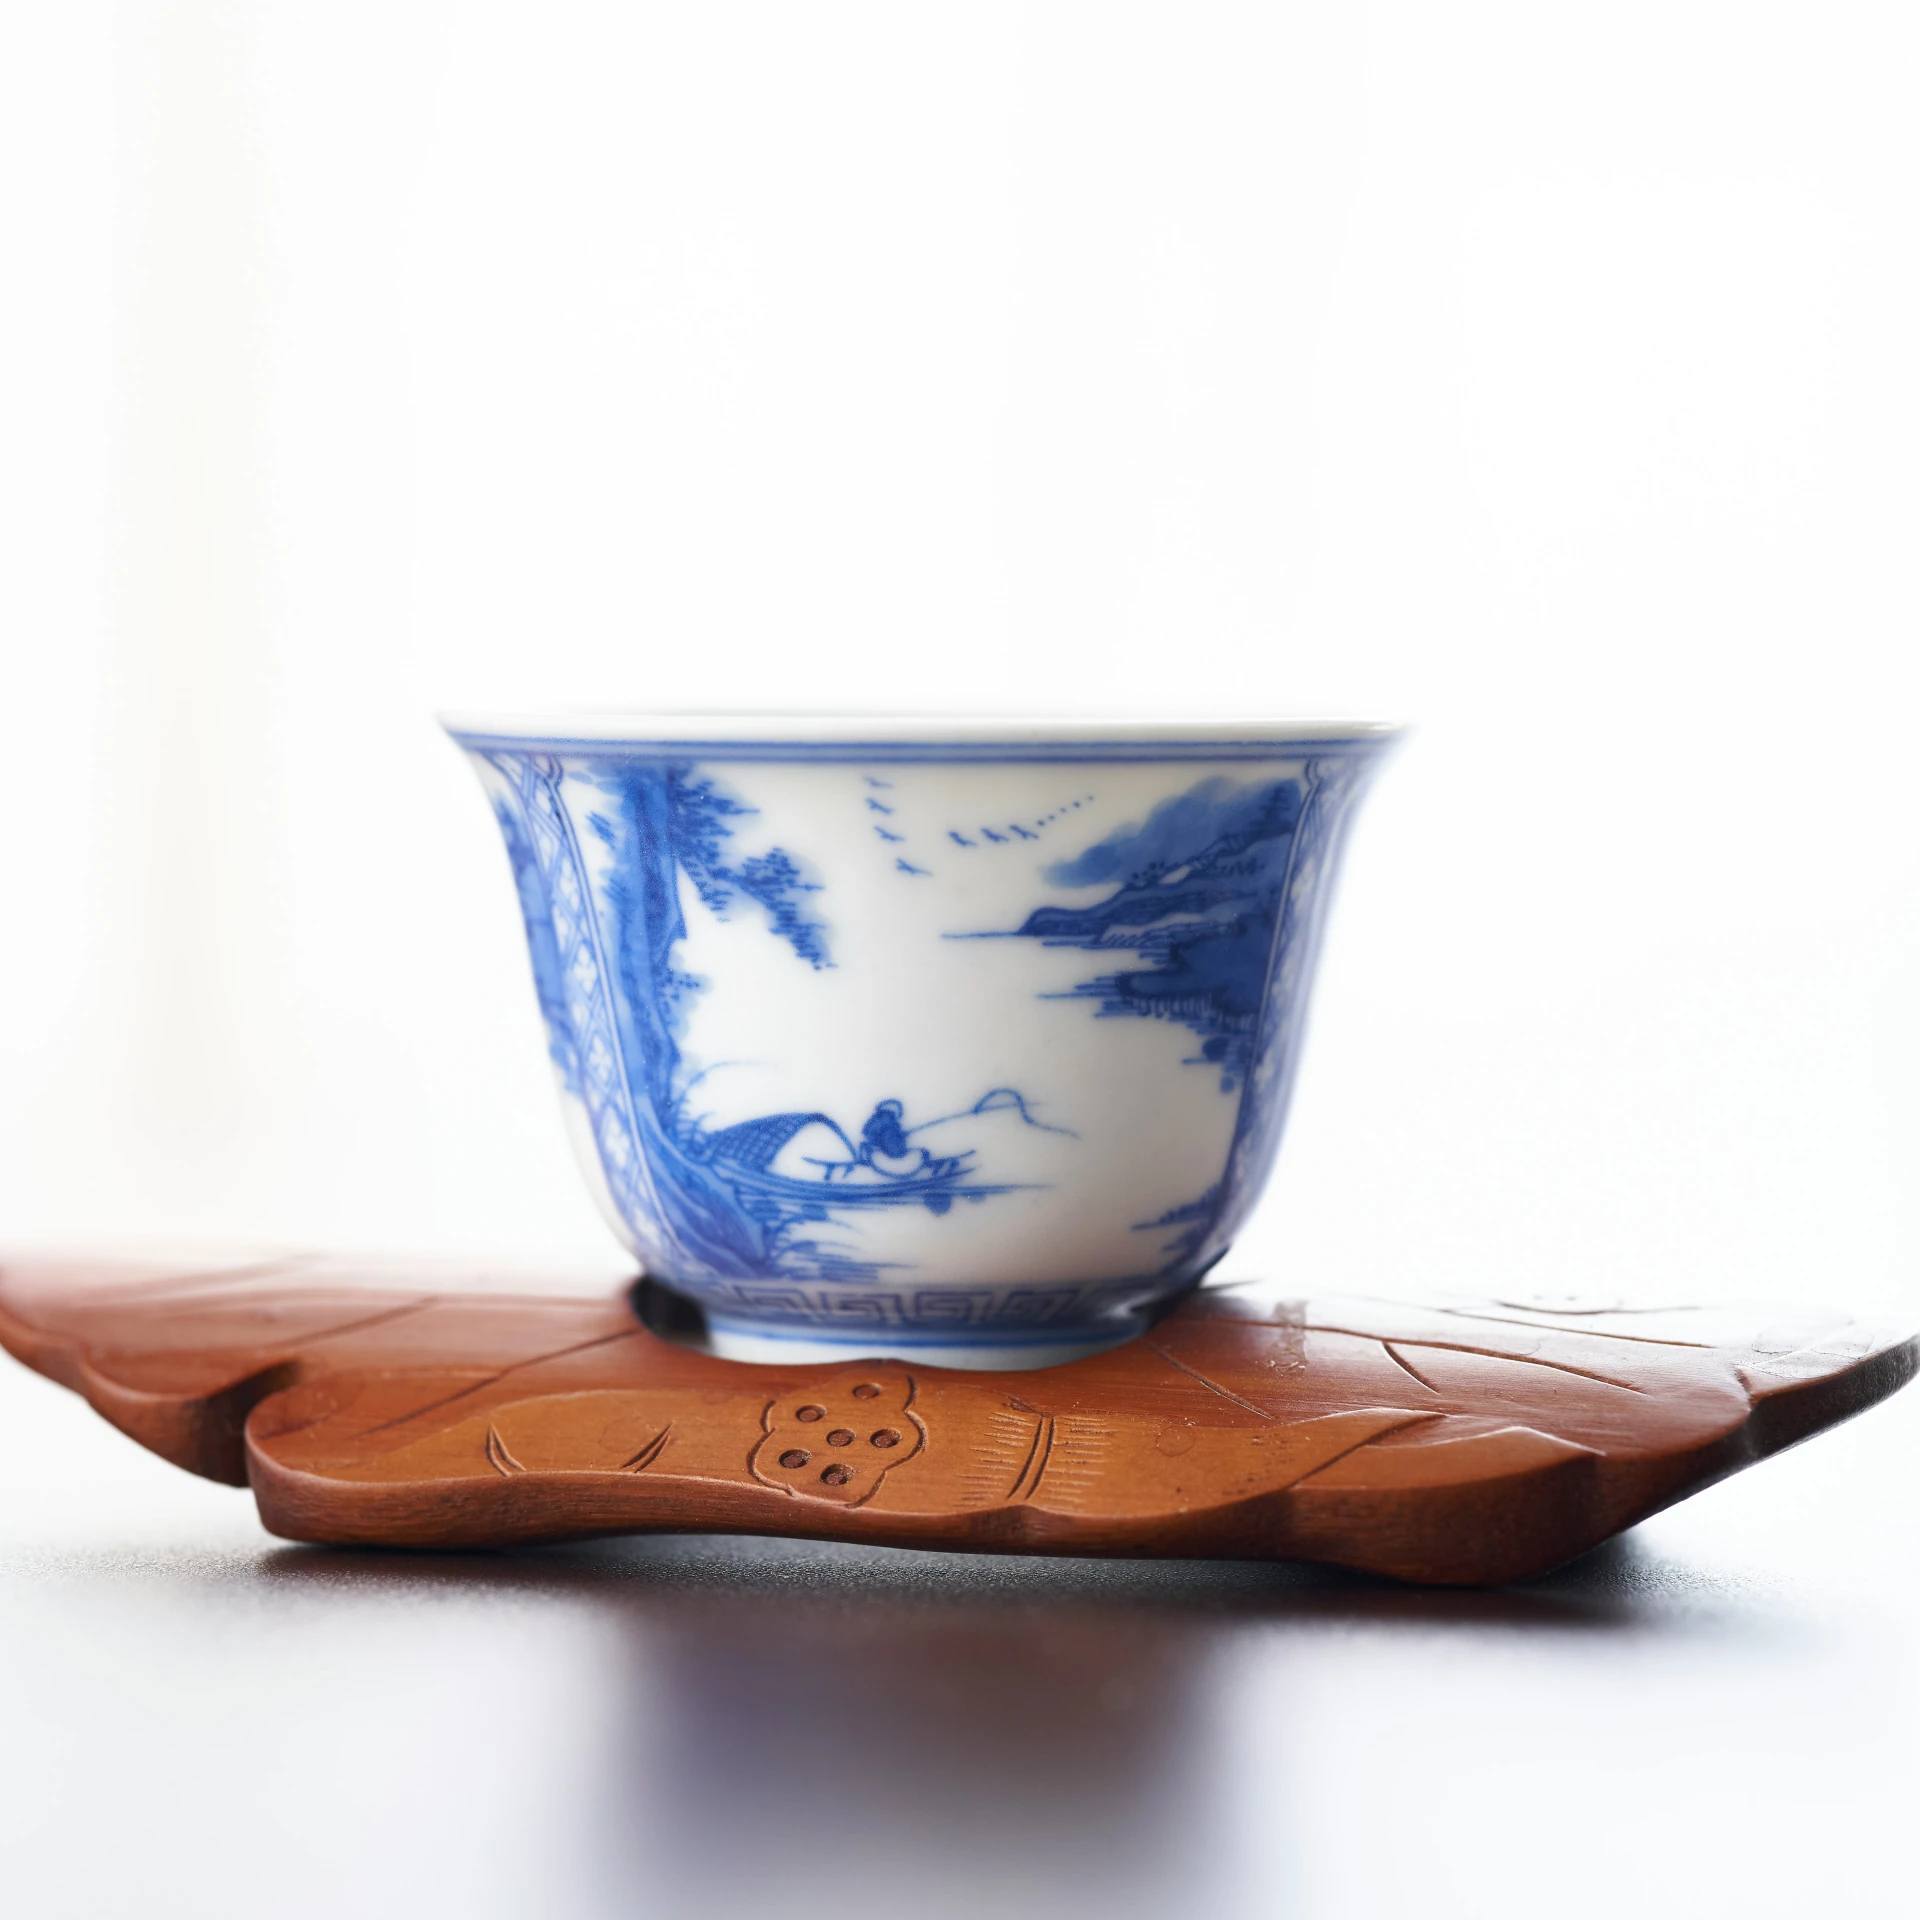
column 890, row 1164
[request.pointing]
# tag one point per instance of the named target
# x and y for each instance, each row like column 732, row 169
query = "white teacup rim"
column 778, row 726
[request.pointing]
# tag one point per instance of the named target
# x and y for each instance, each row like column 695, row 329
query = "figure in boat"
column 886, row 1150
column 813, row 1147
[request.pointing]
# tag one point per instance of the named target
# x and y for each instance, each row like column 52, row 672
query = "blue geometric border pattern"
column 948, row 1313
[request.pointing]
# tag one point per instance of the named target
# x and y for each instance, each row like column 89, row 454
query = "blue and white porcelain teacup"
column 968, row 1040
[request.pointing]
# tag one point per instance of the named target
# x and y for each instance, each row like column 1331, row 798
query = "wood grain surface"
column 1465, row 1442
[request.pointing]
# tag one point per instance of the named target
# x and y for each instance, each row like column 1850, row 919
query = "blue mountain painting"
column 1197, row 897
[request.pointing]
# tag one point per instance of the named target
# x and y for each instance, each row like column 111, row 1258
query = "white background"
column 1542, row 374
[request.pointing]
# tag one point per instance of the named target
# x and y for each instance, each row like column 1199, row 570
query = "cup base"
column 681, row 1318
column 760, row 1348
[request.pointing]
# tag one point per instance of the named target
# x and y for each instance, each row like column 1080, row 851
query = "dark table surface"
column 1713, row 1715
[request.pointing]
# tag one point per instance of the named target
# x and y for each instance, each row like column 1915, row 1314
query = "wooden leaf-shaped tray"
column 1465, row 1442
